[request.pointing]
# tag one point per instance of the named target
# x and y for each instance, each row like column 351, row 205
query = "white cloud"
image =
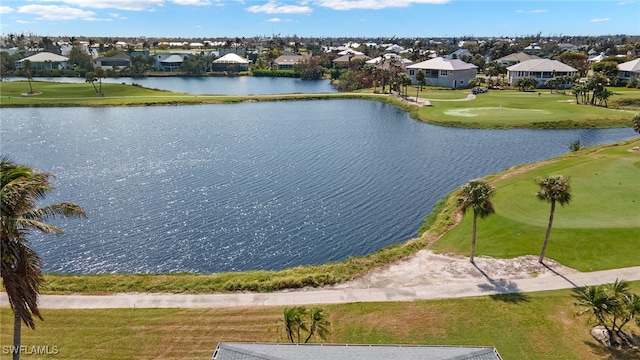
column 279, row 20
column 625, row 2
column 131, row 5
column 55, row 12
column 599, row 20
column 192, row 2
column 373, row 4
column 273, row 7
column 5, row 9
column 539, row 11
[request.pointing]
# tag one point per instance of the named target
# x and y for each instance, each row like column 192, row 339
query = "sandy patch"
column 428, row 268
column 487, row 111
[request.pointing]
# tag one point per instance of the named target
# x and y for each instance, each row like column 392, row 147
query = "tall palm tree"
column 26, row 67
column 553, row 189
column 22, row 188
column 476, row 195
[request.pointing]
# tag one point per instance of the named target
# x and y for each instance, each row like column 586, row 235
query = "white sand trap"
column 488, row 111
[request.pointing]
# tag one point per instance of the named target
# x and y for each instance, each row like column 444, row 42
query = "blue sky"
column 319, row 18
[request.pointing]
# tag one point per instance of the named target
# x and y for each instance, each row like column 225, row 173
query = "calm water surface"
column 211, row 188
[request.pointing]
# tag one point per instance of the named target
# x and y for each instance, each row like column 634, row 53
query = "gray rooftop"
column 263, row 351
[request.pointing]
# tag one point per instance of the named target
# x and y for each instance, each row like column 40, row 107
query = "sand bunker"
column 495, row 110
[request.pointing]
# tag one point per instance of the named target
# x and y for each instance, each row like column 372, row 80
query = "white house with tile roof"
column 453, row 73
column 540, row 70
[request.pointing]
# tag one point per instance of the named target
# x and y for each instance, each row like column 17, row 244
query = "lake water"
column 241, row 85
column 211, row 188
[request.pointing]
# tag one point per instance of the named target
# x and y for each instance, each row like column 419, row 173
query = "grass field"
column 599, row 229
column 496, row 109
column 523, row 326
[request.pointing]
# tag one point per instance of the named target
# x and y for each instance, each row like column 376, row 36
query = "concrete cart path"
column 333, row 296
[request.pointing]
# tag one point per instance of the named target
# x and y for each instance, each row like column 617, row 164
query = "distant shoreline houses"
column 455, row 69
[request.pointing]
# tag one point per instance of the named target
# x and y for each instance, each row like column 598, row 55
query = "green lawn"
column 496, row 109
column 521, row 326
column 511, row 109
column 599, row 229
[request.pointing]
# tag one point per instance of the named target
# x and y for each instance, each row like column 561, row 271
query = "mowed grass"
column 496, row 109
column 598, row 230
column 521, row 326
column 512, row 109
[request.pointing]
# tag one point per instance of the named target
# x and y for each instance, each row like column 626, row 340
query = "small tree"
column 612, row 306
column 636, row 123
column 553, row 189
column 298, row 320
column 421, row 81
column 90, row 77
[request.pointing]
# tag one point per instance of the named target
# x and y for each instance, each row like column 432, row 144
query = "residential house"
column 629, row 69
column 231, row 62
column 44, row 61
column 266, row 351
column 286, row 62
column 345, row 60
column 540, row 70
column 119, row 61
column 516, row 58
column 459, row 54
column 567, row 47
column 169, row 61
column 388, row 60
column 533, row 48
column 439, row 71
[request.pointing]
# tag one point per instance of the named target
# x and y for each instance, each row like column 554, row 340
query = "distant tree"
column 553, row 189
column 90, row 77
column 525, row 84
column 309, row 68
column 26, row 70
column 100, row 74
column 578, row 60
column 476, row 195
column 636, row 123
column 607, row 68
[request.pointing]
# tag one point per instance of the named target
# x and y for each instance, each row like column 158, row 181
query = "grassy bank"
column 496, row 109
column 521, row 326
column 517, row 229
column 599, row 229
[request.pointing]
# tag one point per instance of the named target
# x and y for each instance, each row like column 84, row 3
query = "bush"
column 575, row 145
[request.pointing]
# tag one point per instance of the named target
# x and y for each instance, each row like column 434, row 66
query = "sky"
column 318, row 18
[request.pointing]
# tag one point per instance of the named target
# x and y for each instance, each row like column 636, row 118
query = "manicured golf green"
column 512, row 109
column 599, row 229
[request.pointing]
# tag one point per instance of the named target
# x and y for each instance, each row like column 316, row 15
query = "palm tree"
column 22, row 188
column 319, row 324
column 553, row 189
column 26, row 66
column 294, row 322
column 595, row 301
column 476, row 195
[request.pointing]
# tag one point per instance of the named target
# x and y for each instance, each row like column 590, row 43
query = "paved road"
column 333, row 296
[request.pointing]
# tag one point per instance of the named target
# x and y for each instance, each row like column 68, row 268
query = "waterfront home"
column 286, row 62
column 270, row 351
column 516, row 58
column 453, row 73
column 44, row 61
column 541, row 70
column 231, row 62
column 629, row 69
column 169, row 61
column 345, row 60
column 119, row 61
